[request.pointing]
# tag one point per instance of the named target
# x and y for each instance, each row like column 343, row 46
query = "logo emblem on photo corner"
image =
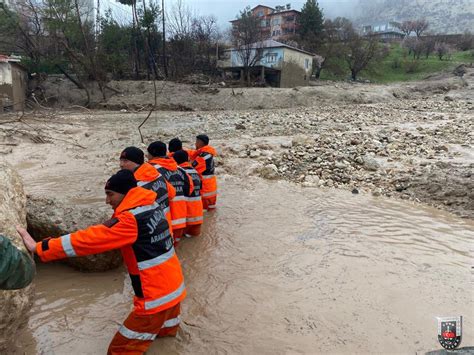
column 450, row 332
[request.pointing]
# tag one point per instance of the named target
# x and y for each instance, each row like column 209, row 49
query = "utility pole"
column 165, row 65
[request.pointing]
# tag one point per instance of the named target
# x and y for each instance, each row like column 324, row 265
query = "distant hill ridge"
column 444, row 16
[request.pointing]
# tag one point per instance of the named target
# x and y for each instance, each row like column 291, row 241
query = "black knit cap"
column 157, row 149
column 181, row 156
column 174, row 145
column 133, row 154
column 203, row 138
column 122, row 182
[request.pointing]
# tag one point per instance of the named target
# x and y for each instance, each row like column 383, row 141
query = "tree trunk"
column 318, row 72
column 353, row 75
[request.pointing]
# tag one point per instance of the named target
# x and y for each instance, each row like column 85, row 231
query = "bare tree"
column 247, row 41
column 359, row 53
column 329, row 50
column 442, row 50
column 429, row 45
column 407, row 27
column 420, row 26
column 415, row 47
column 466, row 42
column 180, row 20
column 206, row 35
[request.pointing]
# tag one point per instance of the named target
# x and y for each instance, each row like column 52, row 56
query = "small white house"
column 13, row 84
column 276, row 63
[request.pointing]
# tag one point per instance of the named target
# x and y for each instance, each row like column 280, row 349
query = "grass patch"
column 398, row 66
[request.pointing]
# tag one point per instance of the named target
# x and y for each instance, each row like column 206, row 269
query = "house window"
column 263, row 23
column 276, row 21
column 290, row 18
column 260, row 13
column 306, row 64
column 272, row 57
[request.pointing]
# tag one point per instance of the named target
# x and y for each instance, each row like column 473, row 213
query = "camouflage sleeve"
column 17, row 269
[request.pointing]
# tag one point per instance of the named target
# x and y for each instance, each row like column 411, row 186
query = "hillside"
column 445, row 16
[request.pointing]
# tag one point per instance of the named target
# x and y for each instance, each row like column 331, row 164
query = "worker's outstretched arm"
column 113, row 234
column 17, row 269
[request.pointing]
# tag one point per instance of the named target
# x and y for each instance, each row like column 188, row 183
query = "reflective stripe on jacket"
column 149, row 178
column 203, row 162
column 139, row 228
column 183, row 185
column 193, row 201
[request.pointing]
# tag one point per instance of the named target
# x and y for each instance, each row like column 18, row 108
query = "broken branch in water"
column 152, row 109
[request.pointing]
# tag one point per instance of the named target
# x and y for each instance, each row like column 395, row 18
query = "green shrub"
column 411, row 66
column 396, row 63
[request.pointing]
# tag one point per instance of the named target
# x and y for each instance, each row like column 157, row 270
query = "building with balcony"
column 279, row 23
column 386, row 32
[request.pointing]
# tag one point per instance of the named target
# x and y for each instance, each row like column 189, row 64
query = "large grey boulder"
column 14, row 305
column 49, row 217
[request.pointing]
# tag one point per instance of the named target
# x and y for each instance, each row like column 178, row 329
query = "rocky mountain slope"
column 445, row 16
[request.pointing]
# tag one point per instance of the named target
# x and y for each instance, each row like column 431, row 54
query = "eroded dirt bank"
column 281, row 269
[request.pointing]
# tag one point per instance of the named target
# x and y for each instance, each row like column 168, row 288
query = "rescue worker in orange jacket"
column 139, row 229
column 133, row 159
column 180, row 180
column 202, row 159
column 194, row 216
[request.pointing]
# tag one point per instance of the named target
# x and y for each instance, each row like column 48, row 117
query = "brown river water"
column 284, row 270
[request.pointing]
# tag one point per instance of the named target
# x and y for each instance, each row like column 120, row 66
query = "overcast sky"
column 226, row 10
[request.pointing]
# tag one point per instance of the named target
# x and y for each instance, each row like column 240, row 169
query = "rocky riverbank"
column 421, row 151
column 415, row 142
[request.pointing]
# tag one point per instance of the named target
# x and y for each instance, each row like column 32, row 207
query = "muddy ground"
column 409, row 141
column 338, row 253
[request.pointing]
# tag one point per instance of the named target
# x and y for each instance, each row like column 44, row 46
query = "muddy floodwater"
column 279, row 270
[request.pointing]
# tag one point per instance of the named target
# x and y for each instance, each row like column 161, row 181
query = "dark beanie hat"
column 181, row 156
column 121, row 182
column 175, row 144
column 133, row 154
column 203, row 138
column 157, row 149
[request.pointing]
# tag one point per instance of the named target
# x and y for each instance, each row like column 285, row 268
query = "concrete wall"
column 293, row 75
column 297, row 68
column 13, row 86
column 20, row 85
column 6, row 87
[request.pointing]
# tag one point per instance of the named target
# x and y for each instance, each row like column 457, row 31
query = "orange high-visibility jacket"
column 170, row 154
column 139, row 228
column 183, row 185
column 193, row 201
column 203, row 161
column 149, row 178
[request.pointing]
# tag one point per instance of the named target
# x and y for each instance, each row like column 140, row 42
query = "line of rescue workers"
column 155, row 204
